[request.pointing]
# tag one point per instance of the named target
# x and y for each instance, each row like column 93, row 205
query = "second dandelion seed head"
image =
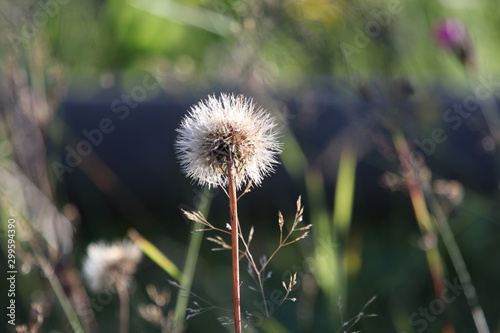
column 227, row 133
column 109, row 265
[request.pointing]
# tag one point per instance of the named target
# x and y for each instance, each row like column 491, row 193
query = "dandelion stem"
column 235, row 253
column 121, row 289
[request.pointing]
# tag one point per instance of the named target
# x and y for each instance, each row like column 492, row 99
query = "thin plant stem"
column 190, row 265
column 421, row 192
column 235, row 253
column 458, row 261
column 121, row 289
column 284, row 241
column 489, row 108
column 488, row 105
column 68, row 309
column 423, row 216
column 258, row 272
column 49, row 272
column 261, row 288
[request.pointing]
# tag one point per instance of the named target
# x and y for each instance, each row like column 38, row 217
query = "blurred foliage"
column 281, row 42
column 303, row 58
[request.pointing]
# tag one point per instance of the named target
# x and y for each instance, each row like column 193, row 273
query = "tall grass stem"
column 188, row 272
column 343, row 206
column 424, row 219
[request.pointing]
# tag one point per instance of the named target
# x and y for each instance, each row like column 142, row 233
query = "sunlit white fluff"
column 225, row 132
column 107, row 265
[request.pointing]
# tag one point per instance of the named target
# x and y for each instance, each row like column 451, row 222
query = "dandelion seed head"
column 227, row 132
column 107, row 265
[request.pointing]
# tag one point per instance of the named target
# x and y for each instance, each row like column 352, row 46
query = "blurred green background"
column 344, row 79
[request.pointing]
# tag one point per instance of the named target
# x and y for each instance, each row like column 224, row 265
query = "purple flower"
column 453, row 36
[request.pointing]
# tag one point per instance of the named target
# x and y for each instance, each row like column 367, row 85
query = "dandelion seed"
column 109, row 265
column 224, row 133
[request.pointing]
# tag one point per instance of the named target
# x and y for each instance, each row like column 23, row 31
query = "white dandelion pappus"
column 223, row 133
column 108, row 264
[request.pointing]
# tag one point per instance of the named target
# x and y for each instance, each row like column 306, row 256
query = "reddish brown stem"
column 424, row 220
column 122, row 291
column 235, row 253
